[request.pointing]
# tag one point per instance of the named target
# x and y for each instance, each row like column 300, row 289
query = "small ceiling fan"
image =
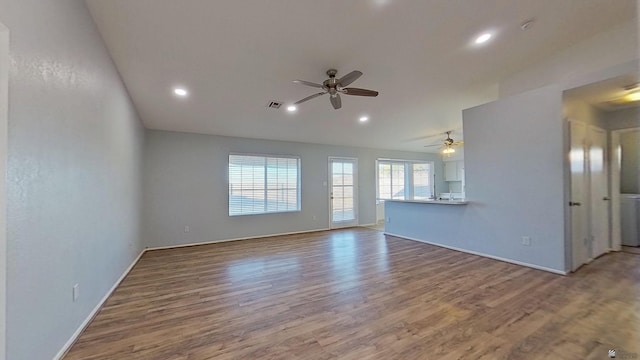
column 448, row 144
column 334, row 87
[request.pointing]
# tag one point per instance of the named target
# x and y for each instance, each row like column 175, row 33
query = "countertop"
column 435, row 202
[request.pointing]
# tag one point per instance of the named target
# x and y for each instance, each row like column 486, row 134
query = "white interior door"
column 579, row 195
column 599, row 191
column 343, row 192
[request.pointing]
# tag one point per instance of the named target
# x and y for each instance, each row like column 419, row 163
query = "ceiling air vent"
column 274, row 104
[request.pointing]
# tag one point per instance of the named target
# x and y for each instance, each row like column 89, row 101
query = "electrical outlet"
column 315, row 217
column 389, row 219
column 526, row 241
column 187, row 229
column 76, row 292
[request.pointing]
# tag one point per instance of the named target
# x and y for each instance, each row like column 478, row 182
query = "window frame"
column 265, row 157
column 409, row 192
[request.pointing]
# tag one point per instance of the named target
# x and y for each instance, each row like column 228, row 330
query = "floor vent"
column 274, row 104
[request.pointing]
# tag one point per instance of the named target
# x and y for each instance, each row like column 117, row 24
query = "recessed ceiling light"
column 291, row 108
column 483, row 38
column 364, row 118
column 180, row 92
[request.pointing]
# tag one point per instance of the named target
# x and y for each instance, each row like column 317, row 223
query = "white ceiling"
column 236, row 56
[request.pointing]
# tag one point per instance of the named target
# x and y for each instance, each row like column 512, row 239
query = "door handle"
column 574, row 203
column 606, row 198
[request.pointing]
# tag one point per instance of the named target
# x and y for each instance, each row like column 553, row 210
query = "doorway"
column 343, row 192
column 625, row 187
column 4, row 120
column 596, row 111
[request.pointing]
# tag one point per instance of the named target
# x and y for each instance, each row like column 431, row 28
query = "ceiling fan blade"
column 336, row 101
column 309, row 98
column 433, row 145
column 457, row 143
column 359, row 92
column 439, row 134
column 308, row 83
column 349, row 78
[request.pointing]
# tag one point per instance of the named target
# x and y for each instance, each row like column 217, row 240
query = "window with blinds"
column 263, row 184
column 404, row 180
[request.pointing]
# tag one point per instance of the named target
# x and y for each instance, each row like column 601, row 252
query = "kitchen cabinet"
column 454, row 171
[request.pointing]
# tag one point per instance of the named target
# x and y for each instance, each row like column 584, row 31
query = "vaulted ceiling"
column 236, row 56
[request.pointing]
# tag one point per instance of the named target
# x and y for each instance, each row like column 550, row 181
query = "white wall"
column 516, row 186
column 185, row 183
column 605, row 50
column 380, row 211
column 73, row 182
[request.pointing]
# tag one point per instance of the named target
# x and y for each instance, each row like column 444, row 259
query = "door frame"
column 4, row 121
column 592, row 201
column 356, row 221
column 614, row 186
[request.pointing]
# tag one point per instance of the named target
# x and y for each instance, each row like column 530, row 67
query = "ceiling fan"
column 334, row 87
column 448, row 144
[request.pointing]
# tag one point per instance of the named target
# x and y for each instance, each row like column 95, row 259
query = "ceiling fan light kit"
column 334, row 87
column 448, row 144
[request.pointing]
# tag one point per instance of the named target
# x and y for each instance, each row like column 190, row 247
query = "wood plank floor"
column 356, row 294
column 631, row 249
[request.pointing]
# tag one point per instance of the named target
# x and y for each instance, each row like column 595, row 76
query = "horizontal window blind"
column 391, row 182
column 404, row 180
column 263, row 184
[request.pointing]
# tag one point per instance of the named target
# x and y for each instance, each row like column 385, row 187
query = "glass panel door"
column 343, row 192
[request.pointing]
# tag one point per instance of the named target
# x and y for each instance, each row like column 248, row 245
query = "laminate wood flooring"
column 631, row 249
column 358, row 294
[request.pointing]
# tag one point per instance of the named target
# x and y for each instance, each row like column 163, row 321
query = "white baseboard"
column 94, row 312
column 483, row 254
column 234, row 239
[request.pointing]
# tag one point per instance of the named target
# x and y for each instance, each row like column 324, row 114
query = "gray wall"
column 185, row 184
column 75, row 150
column 4, row 101
column 630, row 165
column 515, row 187
column 623, row 119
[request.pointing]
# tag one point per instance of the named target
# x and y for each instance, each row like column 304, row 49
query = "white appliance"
column 630, row 219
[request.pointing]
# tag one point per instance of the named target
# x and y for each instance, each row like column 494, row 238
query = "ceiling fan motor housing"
column 334, row 87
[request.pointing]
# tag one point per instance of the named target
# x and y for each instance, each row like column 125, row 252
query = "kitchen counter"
column 434, row 202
